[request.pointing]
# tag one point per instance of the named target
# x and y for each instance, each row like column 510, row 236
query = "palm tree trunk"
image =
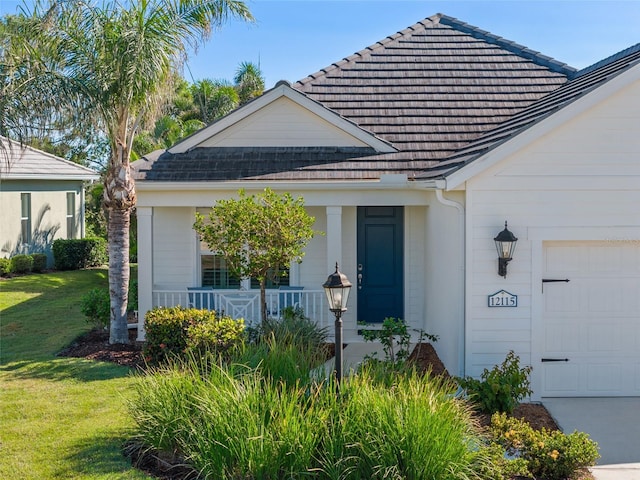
column 118, row 231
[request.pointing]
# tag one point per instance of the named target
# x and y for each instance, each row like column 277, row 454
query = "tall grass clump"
column 227, row 426
column 409, row 426
column 238, row 423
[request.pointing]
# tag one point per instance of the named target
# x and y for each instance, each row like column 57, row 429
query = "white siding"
column 582, row 179
column 444, row 305
column 282, row 123
column 174, row 248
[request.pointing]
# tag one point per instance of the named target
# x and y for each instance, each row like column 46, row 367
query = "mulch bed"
column 94, row 345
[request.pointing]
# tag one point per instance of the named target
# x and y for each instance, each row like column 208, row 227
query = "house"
column 42, row 198
column 412, row 154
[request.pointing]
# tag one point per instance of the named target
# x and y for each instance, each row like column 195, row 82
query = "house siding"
column 580, row 181
column 282, row 123
column 48, row 214
column 174, row 248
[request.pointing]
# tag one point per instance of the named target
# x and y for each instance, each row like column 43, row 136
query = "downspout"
column 440, row 186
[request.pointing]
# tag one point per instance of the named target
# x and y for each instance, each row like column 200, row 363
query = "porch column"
column 334, row 238
column 145, row 266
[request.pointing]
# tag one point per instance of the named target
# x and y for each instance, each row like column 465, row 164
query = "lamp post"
column 337, row 288
column 505, row 244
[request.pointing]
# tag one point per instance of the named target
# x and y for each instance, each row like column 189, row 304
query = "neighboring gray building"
column 41, row 198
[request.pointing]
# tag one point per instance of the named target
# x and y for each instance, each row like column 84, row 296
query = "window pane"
column 25, row 217
column 274, row 281
column 216, row 274
column 71, row 215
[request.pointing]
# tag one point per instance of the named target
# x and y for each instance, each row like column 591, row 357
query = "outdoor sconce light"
column 337, row 288
column 505, row 244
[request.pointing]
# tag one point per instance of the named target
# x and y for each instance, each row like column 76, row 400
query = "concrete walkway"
column 612, row 422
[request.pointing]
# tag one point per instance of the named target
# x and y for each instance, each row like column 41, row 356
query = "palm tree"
column 113, row 62
column 249, row 81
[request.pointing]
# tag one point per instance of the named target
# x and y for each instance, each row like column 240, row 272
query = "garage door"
column 591, row 324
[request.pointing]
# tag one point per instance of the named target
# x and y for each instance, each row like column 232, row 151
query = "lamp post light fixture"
column 337, row 288
column 505, row 244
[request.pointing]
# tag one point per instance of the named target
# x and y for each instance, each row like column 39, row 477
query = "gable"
column 274, row 114
column 595, row 147
column 282, row 123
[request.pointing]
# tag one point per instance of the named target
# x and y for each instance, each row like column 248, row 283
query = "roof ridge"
column 434, row 19
column 610, row 59
column 513, row 47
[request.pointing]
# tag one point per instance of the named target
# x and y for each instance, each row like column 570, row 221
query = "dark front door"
column 380, row 263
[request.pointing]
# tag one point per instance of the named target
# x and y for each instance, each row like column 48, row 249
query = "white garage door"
column 591, row 324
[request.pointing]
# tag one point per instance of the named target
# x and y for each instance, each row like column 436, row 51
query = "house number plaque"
column 503, row 299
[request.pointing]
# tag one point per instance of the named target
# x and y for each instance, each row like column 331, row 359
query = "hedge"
column 39, row 262
column 75, row 254
column 21, row 263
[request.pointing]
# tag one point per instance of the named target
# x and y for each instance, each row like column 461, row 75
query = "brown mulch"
column 95, row 345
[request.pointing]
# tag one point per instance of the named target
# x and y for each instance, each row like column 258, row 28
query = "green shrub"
column 39, row 262
column 551, row 455
column 395, row 339
column 500, row 389
column 21, row 263
column 96, row 306
column 75, row 254
column 174, row 331
column 5, row 266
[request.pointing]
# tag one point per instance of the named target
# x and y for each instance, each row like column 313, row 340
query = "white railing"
column 246, row 303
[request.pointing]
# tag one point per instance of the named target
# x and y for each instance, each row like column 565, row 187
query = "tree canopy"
column 257, row 234
column 108, row 65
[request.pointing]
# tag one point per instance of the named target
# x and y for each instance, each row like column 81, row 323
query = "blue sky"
column 294, row 38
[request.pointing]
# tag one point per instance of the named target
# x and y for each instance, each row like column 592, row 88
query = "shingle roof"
column 582, row 83
column 24, row 162
column 441, row 92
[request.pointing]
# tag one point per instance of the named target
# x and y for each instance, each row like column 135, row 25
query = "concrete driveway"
column 612, row 422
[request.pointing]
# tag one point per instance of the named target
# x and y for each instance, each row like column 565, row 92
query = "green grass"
column 62, row 418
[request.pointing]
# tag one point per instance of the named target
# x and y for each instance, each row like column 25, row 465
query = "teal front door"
column 380, row 272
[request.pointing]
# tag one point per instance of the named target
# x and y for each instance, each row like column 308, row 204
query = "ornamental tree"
column 257, row 234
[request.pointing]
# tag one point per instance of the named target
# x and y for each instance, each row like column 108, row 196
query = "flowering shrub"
column 502, row 388
column 551, row 455
column 177, row 330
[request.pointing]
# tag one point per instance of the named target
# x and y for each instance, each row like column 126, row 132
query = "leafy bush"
column 96, row 306
column 173, row 331
column 21, row 263
column 5, row 266
column 214, row 334
column 395, row 339
column 551, row 455
column 39, row 262
column 75, row 254
column 500, row 389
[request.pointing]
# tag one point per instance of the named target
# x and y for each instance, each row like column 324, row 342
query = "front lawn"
column 61, row 417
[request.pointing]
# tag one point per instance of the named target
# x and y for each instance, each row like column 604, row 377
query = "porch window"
column 71, row 214
column 216, row 274
column 25, row 217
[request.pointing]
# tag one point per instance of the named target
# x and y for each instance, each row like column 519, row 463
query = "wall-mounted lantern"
column 505, row 244
column 337, row 288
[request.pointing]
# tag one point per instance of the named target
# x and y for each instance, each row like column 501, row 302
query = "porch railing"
column 246, row 303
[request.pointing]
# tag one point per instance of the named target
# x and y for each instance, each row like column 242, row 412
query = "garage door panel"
column 594, row 320
column 604, row 378
column 561, row 338
column 565, row 379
